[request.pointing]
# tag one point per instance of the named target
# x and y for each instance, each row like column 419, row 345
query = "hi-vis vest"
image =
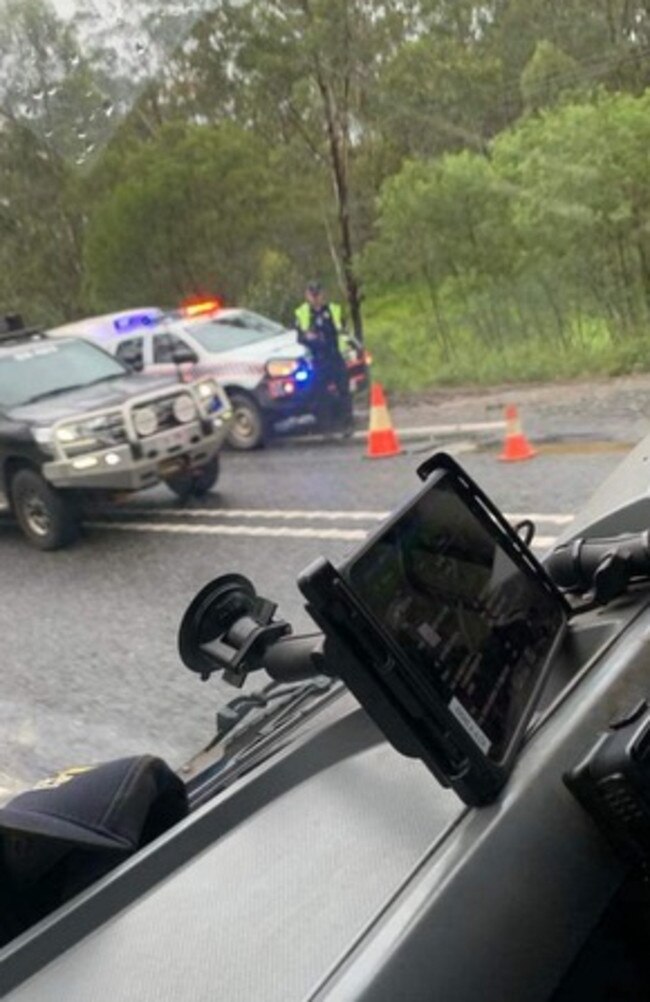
column 303, row 319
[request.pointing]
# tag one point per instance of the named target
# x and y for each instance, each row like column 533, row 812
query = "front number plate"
column 180, row 437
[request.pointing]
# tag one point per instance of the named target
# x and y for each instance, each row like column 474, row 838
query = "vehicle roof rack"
column 12, row 328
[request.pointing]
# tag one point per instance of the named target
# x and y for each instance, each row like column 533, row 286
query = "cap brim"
column 51, row 826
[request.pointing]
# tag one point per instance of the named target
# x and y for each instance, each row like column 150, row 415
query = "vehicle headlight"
column 280, row 368
column 69, row 433
column 145, row 421
column 184, row 410
column 43, row 435
column 85, row 435
column 211, row 396
column 77, row 439
column 207, row 388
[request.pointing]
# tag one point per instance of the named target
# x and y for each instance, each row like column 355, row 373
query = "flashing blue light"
column 135, row 320
column 301, row 376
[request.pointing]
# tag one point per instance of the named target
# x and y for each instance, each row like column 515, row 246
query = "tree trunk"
column 337, row 140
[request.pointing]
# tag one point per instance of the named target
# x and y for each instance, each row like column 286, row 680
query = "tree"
column 443, row 225
column 439, row 94
column 40, row 229
column 194, row 211
column 548, row 75
column 46, row 85
column 581, row 197
column 608, row 38
column 299, row 72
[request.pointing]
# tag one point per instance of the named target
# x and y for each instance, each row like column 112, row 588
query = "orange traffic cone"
column 516, row 446
column 382, row 437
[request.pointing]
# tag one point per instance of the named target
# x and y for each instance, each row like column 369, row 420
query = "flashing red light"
column 196, row 307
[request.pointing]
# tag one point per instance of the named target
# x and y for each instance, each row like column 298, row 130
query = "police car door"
column 172, row 356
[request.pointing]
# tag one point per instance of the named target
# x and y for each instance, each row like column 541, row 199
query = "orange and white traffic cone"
column 516, row 446
column 382, row 437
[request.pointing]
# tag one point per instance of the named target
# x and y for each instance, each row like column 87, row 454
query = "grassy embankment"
column 401, row 334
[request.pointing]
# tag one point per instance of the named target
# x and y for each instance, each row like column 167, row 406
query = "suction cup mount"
column 227, row 628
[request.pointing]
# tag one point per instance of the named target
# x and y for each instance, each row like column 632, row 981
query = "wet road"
column 88, row 636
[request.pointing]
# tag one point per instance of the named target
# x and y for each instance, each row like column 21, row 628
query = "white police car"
column 266, row 372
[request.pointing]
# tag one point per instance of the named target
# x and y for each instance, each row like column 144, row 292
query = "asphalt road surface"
column 88, row 658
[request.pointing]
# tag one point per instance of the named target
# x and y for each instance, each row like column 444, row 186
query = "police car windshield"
column 235, row 330
column 34, row 371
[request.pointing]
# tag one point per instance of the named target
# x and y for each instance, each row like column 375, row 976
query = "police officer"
column 319, row 326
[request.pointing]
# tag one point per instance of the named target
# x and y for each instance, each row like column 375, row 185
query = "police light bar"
column 197, row 307
column 132, row 321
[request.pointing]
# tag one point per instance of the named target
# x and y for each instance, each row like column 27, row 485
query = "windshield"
column 44, row 368
column 234, row 331
column 246, row 320
column 463, row 187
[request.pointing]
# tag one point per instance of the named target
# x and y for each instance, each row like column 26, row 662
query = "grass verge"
column 407, row 353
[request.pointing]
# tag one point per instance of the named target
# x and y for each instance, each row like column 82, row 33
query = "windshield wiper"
column 69, row 389
column 234, row 749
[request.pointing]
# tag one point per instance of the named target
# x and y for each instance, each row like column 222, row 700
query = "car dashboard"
column 340, row 869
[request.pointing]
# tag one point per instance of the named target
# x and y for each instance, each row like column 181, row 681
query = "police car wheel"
column 247, row 430
column 195, row 483
column 47, row 518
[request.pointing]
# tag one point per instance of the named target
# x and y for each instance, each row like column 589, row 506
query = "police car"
column 75, row 422
column 267, row 374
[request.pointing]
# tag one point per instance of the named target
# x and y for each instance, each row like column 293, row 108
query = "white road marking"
column 266, row 531
column 290, row 515
column 430, row 431
column 277, row 514
column 257, row 531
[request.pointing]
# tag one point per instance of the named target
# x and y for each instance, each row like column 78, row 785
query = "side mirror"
column 184, row 355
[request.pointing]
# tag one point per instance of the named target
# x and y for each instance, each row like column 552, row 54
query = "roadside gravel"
column 612, row 409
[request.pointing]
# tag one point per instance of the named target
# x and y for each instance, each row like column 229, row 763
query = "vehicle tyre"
column 247, row 429
column 195, row 483
column 47, row 517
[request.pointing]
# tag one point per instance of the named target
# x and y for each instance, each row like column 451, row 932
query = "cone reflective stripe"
column 382, row 437
column 516, row 446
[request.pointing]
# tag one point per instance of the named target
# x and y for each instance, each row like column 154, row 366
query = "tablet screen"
column 474, row 623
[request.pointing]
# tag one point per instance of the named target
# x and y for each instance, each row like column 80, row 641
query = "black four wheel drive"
column 76, row 423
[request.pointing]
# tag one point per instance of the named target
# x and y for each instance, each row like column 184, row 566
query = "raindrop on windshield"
column 108, row 108
column 74, row 61
column 38, row 95
column 52, row 91
column 140, row 48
